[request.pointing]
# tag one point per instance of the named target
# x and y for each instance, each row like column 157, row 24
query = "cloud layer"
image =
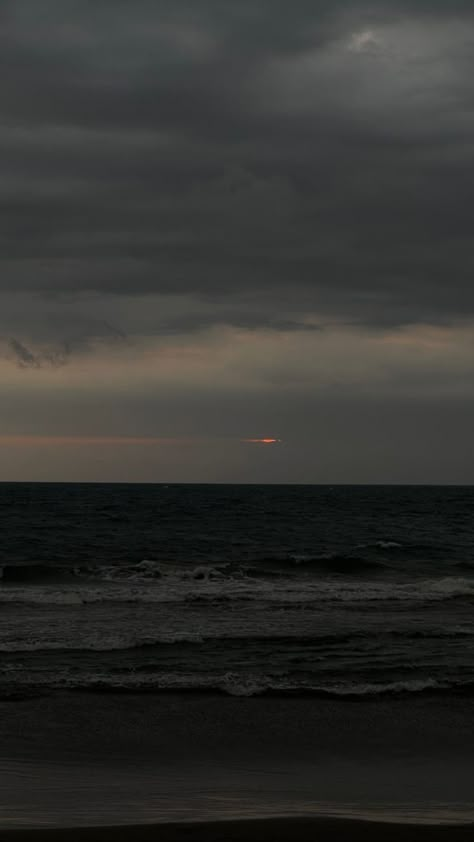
column 193, row 149
column 208, row 202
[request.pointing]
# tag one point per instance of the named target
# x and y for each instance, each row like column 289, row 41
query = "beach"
column 107, row 759
column 167, row 668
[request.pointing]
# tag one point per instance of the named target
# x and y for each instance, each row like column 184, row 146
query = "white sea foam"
column 213, row 588
column 388, row 545
column 376, row 689
column 232, row 684
column 236, row 685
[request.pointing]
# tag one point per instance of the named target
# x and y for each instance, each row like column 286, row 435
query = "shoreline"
column 252, row 830
column 111, row 760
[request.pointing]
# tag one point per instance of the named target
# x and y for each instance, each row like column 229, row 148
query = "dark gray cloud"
column 24, row 356
column 318, row 154
column 50, row 345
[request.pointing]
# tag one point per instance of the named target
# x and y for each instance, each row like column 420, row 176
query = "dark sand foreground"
column 105, row 759
column 263, row 830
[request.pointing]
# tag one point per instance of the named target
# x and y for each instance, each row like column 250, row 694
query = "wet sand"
column 94, row 760
column 272, row 830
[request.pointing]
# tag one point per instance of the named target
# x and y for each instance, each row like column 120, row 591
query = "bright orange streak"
column 262, row 441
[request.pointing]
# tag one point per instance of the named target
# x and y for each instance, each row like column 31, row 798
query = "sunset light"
column 262, row 441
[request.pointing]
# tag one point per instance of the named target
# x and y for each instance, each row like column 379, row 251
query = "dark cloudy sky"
column 226, row 220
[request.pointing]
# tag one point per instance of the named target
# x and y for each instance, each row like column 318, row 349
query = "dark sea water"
column 245, row 590
column 200, row 652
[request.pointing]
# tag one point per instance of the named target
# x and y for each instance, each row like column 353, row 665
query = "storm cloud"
column 184, row 180
column 205, row 150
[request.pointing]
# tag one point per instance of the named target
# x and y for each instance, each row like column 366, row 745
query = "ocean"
column 137, row 622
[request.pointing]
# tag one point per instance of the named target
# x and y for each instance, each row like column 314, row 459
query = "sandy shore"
column 271, row 830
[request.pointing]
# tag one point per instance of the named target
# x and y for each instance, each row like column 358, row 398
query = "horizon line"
column 167, row 483
column 33, row 440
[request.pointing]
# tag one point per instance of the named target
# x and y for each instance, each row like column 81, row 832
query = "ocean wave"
column 217, row 588
column 232, row 684
column 130, row 642
column 143, row 571
column 382, row 553
column 393, row 688
column 103, row 643
column 378, row 556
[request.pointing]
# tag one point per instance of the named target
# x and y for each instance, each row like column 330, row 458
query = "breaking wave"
column 380, row 556
column 210, row 585
column 234, row 684
column 143, row 571
column 133, row 642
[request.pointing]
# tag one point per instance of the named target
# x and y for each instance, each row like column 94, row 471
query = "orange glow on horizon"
column 31, row 440
column 52, row 441
column 262, row 441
